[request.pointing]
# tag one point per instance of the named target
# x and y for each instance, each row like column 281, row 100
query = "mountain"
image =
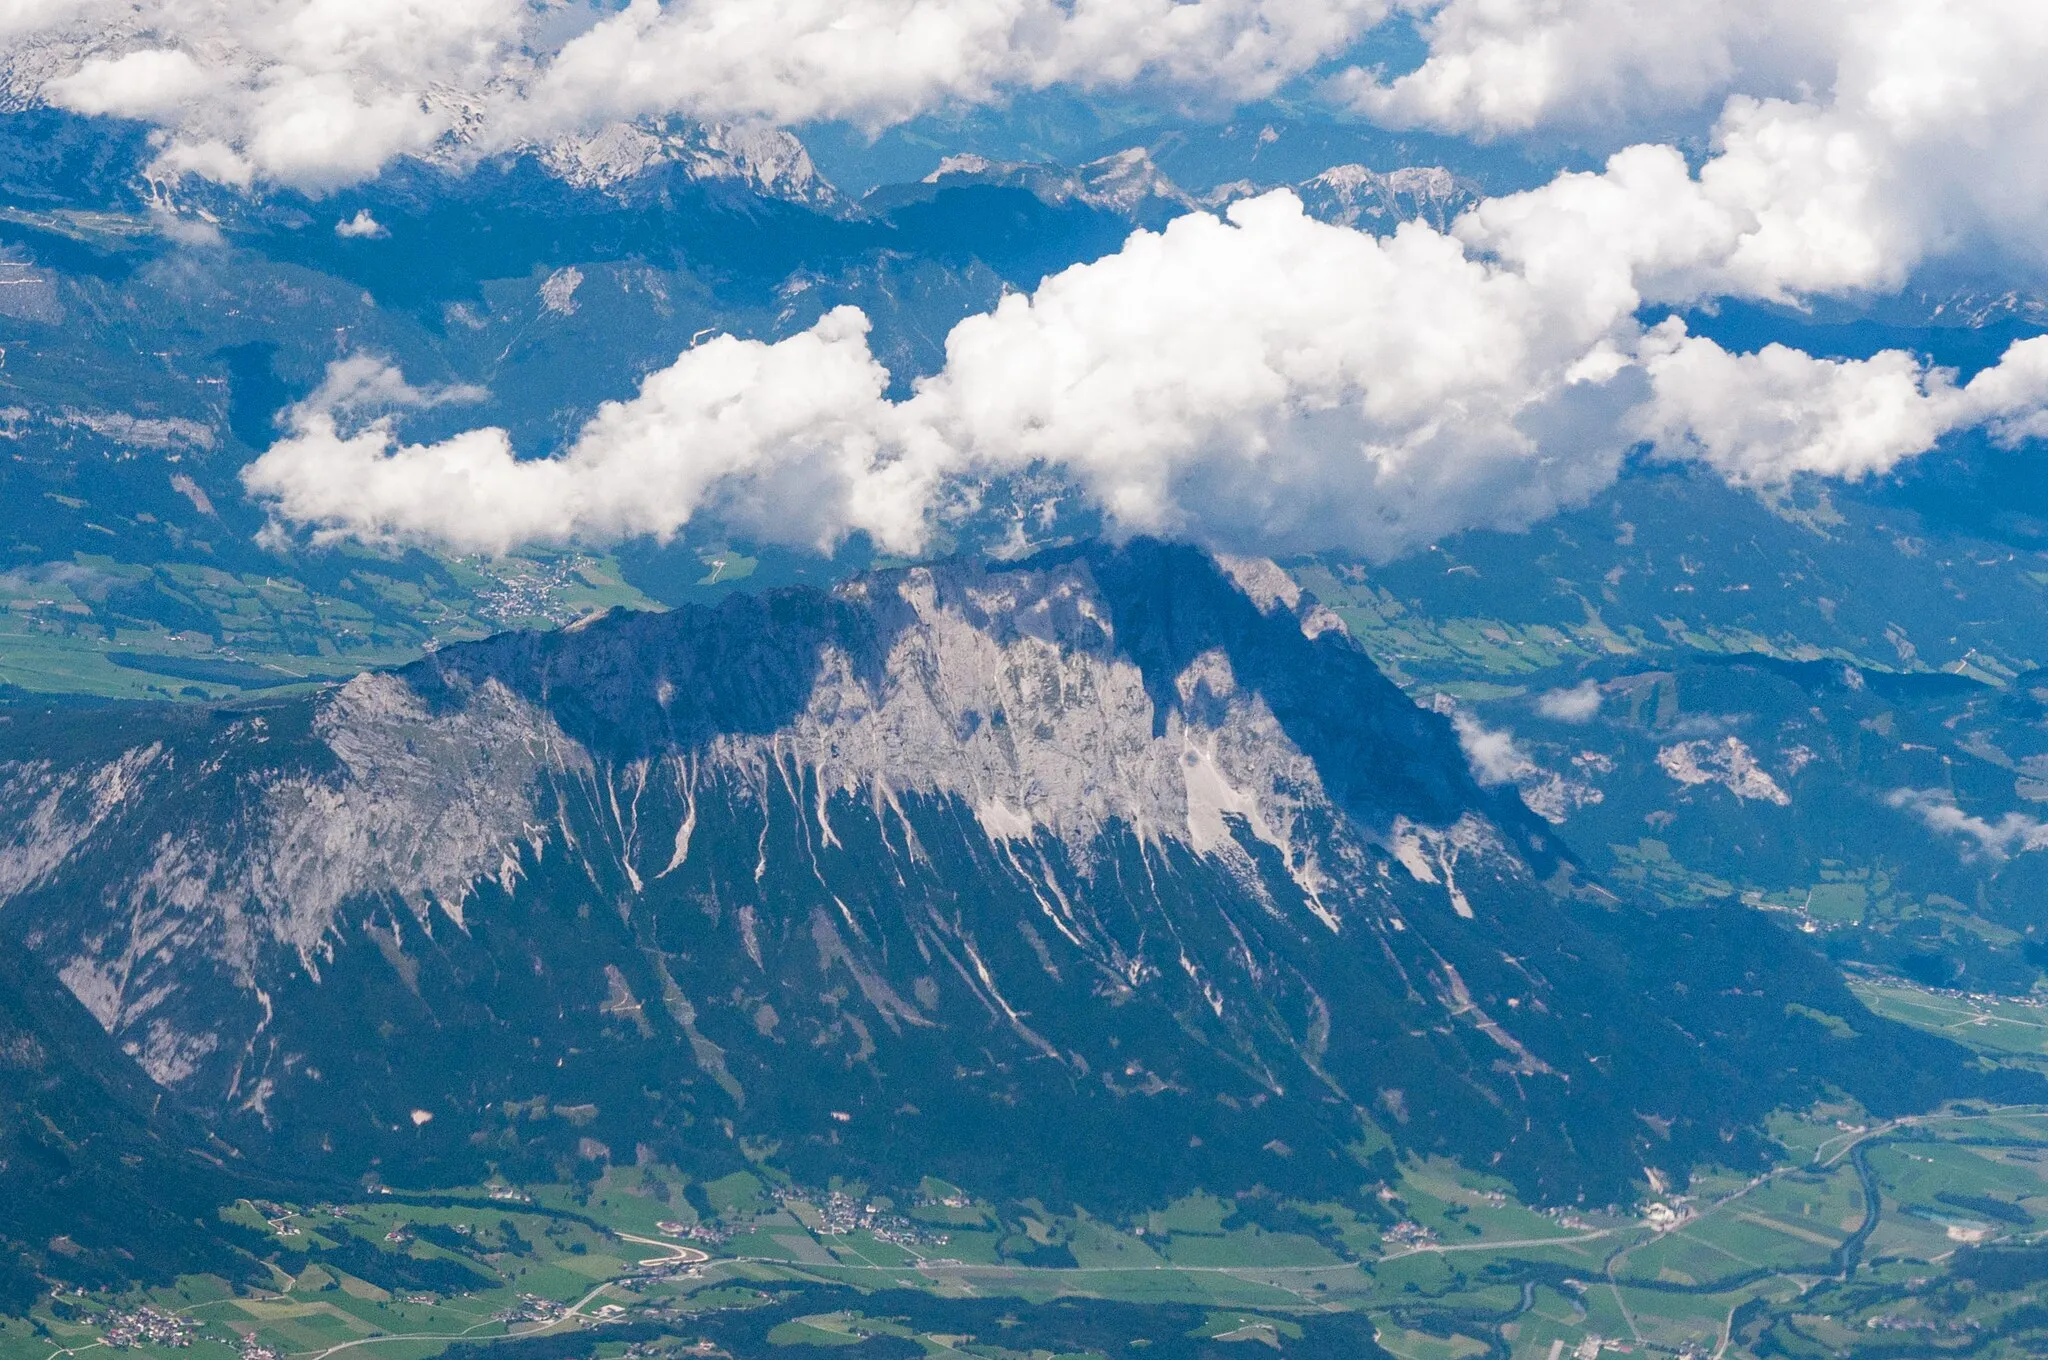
column 103, row 1177
column 1130, row 185
column 1094, row 877
column 1125, row 183
column 765, row 161
column 1354, row 196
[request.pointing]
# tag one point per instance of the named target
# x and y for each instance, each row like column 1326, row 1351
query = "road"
column 1497, row 1243
column 677, row 1252
column 963, row 1267
column 573, row 1314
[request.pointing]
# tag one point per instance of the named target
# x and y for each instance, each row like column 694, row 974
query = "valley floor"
column 1868, row 1239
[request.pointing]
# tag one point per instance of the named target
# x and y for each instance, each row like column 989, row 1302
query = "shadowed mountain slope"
column 103, row 1178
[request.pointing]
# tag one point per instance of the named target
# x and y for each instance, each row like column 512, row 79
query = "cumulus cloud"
column 1495, row 66
column 148, row 83
column 1493, row 753
column 1257, row 381
column 1851, row 138
column 361, row 227
column 1761, row 418
column 364, row 388
column 2014, row 833
column 323, row 93
column 1497, row 759
column 1264, row 380
column 784, row 440
column 1851, row 141
column 1268, row 381
column 315, row 93
column 1577, row 704
column 882, row 61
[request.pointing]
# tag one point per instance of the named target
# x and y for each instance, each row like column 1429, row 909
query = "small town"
column 841, row 1213
column 148, row 1326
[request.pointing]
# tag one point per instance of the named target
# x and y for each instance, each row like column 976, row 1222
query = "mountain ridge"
column 864, row 874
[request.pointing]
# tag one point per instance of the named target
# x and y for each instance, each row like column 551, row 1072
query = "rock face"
column 767, row 161
column 988, row 872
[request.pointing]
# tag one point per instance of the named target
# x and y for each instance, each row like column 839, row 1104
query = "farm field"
column 1862, row 1220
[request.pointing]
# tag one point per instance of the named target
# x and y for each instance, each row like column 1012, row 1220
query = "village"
column 840, row 1213
column 148, row 1326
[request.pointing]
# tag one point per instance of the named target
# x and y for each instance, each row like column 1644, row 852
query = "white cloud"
column 2014, row 833
column 783, row 440
column 315, row 93
column 362, row 226
column 1497, row 66
column 882, row 61
column 1497, row 759
column 1493, row 753
column 1264, row 381
column 147, row 83
column 1760, row 418
column 1577, row 704
column 1851, row 139
column 1273, row 382
column 1260, row 381
column 1854, row 137
column 366, row 388
column 322, row 93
